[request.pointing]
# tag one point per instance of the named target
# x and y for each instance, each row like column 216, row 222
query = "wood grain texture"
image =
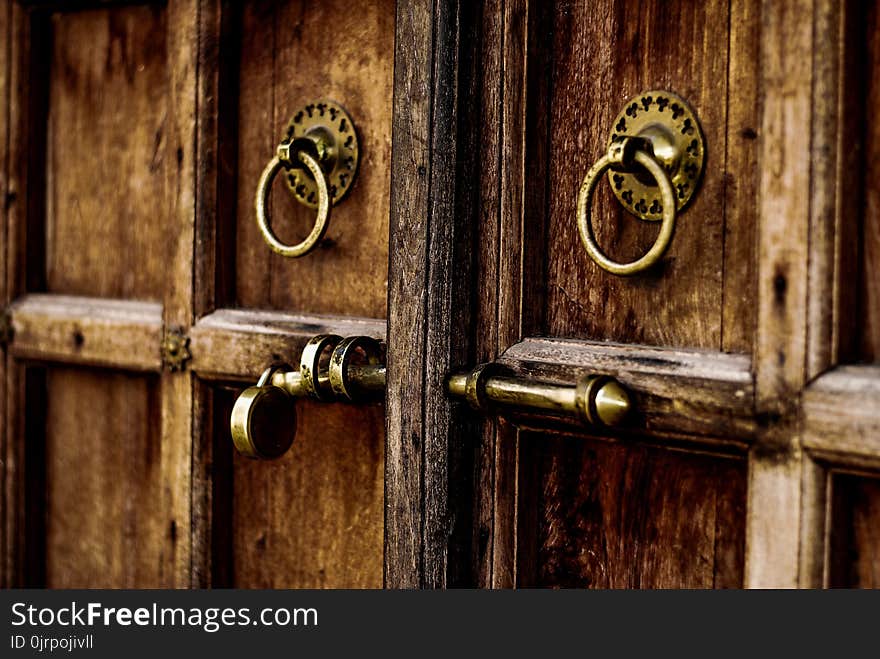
column 287, row 60
column 429, row 507
column 314, row 518
column 5, row 98
column 106, row 156
column 94, row 331
column 623, row 516
column 184, row 149
column 869, row 312
column 105, row 527
column 841, row 414
column 234, row 344
column 855, row 537
column 780, row 349
column 608, row 53
column 514, row 79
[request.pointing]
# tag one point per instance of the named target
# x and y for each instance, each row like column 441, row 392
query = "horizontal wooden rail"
column 89, row 331
column 236, row 344
column 841, row 415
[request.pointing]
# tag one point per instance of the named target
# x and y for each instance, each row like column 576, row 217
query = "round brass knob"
column 601, row 401
column 263, row 420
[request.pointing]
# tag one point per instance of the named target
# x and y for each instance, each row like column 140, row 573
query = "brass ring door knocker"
column 654, row 162
column 319, row 155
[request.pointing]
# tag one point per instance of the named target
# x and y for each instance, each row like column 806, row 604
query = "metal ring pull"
column 621, row 154
column 655, row 159
column 320, row 155
column 264, row 187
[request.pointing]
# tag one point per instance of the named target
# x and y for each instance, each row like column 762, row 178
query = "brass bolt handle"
column 596, row 400
column 332, row 369
column 621, row 155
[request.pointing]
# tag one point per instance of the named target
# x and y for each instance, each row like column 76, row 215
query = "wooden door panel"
column 868, row 84
column 106, row 208
column 103, row 524
column 616, row 515
column 93, row 230
column 292, row 53
column 603, row 54
column 855, row 544
column 314, row 518
column 137, row 136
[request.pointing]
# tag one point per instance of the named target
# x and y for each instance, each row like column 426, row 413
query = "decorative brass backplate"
column 665, row 121
column 324, row 129
column 175, row 350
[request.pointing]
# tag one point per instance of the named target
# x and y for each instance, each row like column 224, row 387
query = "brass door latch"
column 655, row 155
column 331, row 369
column 319, row 154
column 595, row 400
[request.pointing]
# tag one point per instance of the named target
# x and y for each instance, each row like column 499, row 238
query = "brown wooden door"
column 135, row 135
column 752, row 457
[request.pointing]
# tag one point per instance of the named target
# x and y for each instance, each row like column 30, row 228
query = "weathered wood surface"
column 235, row 344
column 854, row 560
column 841, row 414
column 105, row 522
column 513, row 80
column 314, row 518
column 608, row 53
column 614, row 515
column 429, row 476
column 122, row 334
column 323, row 524
column 286, row 61
column 106, row 217
column 780, row 352
column 869, row 91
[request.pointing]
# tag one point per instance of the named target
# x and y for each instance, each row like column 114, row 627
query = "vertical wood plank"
column 510, row 259
column 835, row 151
column 814, row 532
column 177, row 388
column 105, row 527
column 491, row 472
column 868, row 98
column 212, row 224
column 773, row 521
column 784, row 204
column 5, row 99
column 780, row 352
column 407, row 294
column 24, row 258
column 429, row 455
column 741, row 177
